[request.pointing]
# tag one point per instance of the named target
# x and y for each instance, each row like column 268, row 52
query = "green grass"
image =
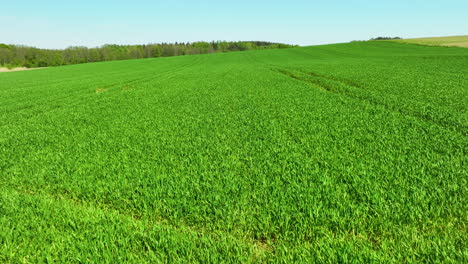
column 340, row 153
column 459, row 41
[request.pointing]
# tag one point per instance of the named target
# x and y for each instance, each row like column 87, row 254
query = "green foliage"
column 4, row 46
column 33, row 57
column 385, row 38
column 329, row 154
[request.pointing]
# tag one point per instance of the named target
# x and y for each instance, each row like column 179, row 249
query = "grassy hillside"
column 459, row 41
column 340, row 153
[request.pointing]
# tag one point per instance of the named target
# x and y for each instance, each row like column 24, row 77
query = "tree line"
column 385, row 38
column 24, row 56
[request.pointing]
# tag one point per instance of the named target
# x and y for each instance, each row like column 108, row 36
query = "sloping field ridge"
column 455, row 41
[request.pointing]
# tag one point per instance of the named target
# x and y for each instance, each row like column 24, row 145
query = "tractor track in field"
column 258, row 245
column 353, row 90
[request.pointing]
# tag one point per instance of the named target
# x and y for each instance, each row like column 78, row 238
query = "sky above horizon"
column 60, row 24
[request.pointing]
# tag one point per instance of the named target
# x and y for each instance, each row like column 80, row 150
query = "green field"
column 458, row 41
column 338, row 153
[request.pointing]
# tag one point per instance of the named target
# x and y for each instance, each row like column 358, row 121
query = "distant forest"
column 385, row 38
column 24, row 56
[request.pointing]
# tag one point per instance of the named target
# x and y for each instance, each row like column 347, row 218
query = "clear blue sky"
column 63, row 23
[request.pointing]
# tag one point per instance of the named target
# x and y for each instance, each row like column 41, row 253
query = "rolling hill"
column 455, row 41
column 337, row 153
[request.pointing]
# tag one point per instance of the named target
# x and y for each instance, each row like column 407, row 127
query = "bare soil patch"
column 100, row 90
column 459, row 44
column 3, row 69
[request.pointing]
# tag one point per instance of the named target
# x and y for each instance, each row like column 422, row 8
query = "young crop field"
column 326, row 154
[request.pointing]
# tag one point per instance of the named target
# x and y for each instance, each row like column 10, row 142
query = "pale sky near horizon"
column 59, row 24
